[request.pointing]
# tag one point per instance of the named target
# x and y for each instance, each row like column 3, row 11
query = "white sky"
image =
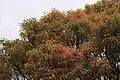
column 12, row 12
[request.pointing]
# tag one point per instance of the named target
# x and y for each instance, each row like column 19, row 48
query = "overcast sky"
column 12, row 12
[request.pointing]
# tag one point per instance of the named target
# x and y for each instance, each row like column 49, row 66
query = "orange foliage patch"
column 72, row 52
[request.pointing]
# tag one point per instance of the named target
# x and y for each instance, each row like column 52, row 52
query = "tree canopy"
column 71, row 45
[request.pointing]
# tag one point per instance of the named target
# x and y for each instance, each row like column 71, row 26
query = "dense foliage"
column 71, row 45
